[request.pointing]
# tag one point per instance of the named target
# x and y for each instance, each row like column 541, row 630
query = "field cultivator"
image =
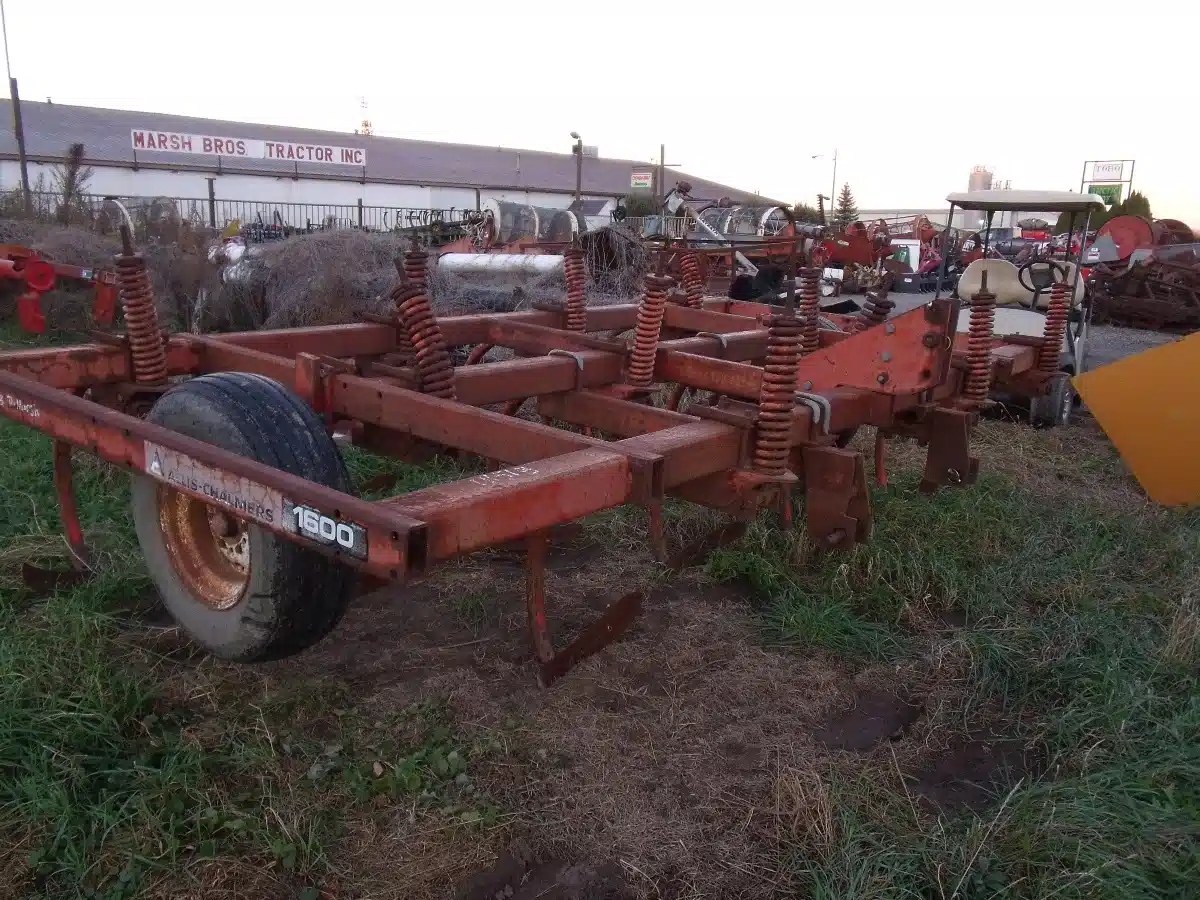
column 252, row 529
column 37, row 276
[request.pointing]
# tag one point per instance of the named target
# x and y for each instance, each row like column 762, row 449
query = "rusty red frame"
column 903, row 377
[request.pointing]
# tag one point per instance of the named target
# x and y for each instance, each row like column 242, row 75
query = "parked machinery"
column 1040, row 303
column 1146, row 275
column 35, row 276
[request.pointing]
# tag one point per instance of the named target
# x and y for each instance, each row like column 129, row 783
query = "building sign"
column 642, row 179
column 1109, row 193
column 1108, row 171
column 246, row 148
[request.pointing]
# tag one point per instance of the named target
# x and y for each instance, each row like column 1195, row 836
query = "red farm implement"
column 252, row 530
column 37, row 276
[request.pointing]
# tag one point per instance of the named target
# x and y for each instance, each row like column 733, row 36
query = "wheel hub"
column 209, row 549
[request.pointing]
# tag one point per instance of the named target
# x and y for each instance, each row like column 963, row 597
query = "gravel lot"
column 1110, row 343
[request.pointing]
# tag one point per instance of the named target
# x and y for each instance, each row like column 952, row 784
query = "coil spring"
column 1057, row 313
column 141, row 320
column 400, row 293
column 649, row 326
column 979, row 344
column 692, row 283
column 576, row 307
column 809, row 310
column 777, row 396
column 875, row 310
column 414, row 267
column 411, row 269
column 421, row 328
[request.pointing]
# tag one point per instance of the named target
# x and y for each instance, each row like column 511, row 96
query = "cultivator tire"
column 244, row 593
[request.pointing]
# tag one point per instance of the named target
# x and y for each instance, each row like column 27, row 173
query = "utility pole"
column 662, row 177
column 577, row 149
column 18, row 127
column 833, row 189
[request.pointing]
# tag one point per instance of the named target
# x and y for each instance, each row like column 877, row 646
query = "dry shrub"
column 317, row 279
column 182, row 277
column 73, row 246
column 326, row 278
column 617, row 260
column 333, row 277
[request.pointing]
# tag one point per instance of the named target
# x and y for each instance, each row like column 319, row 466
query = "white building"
column 231, row 170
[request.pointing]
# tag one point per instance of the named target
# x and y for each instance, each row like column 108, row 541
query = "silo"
column 980, row 180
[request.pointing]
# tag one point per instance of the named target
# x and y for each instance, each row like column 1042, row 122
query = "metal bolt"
column 931, row 339
column 882, row 377
column 808, row 385
column 890, row 328
column 887, row 356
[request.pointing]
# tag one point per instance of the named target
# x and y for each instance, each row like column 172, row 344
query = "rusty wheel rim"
column 209, row 550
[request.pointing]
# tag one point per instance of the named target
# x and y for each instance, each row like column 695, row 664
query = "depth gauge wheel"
column 243, row 592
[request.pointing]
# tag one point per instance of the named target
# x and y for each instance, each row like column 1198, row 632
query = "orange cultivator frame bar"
column 773, row 400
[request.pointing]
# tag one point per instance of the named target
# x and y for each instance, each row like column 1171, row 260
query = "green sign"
column 1109, row 193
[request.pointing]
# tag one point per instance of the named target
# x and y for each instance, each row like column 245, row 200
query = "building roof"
column 50, row 128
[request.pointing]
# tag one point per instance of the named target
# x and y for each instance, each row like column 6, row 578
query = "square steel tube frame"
column 556, row 475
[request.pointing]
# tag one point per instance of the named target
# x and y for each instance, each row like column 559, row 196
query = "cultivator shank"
column 781, row 389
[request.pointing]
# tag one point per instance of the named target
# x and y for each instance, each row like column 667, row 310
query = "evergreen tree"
column 1135, row 204
column 1099, row 217
column 806, row 214
column 846, row 211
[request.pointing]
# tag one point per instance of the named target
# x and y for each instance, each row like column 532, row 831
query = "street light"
column 577, row 149
column 833, row 184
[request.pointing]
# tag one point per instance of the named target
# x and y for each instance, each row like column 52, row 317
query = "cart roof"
column 1026, row 201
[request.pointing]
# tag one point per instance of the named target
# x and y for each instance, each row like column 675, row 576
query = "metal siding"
column 51, row 127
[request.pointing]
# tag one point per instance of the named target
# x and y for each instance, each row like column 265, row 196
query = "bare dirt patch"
column 658, row 756
column 513, row 879
column 970, row 774
column 876, row 715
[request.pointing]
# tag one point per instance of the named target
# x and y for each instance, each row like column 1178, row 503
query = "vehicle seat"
column 1002, row 281
column 1006, row 285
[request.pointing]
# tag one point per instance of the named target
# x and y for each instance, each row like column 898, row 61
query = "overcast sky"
column 912, row 95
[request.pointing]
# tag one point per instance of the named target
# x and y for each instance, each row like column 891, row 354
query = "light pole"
column 577, row 149
column 833, row 184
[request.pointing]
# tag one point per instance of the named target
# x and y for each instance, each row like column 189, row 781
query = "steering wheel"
column 1037, row 291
